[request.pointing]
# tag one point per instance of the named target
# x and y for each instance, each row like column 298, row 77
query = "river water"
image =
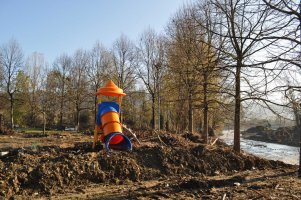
column 271, row 151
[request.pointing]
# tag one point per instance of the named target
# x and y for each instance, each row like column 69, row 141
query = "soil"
column 165, row 166
column 282, row 135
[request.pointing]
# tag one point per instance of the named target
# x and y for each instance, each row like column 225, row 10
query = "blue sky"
column 53, row 27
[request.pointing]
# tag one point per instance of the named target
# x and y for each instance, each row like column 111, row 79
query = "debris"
column 3, row 153
column 236, row 184
column 216, row 173
column 131, row 132
column 160, row 138
column 214, row 142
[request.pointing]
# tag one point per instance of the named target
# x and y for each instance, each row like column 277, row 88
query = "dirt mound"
column 50, row 169
column 256, row 129
column 282, row 135
column 193, row 137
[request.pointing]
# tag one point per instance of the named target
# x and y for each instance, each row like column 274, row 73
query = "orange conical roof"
column 110, row 89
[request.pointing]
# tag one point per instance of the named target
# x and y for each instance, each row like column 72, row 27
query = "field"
column 62, row 165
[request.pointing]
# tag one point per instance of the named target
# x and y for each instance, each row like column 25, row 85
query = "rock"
column 236, row 184
column 3, row 153
column 29, row 169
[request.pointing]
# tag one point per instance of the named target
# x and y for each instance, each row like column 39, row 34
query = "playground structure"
column 108, row 127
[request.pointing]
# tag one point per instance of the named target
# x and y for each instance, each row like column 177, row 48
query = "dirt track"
column 63, row 165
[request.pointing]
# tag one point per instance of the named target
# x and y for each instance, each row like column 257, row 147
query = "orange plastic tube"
column 109, row 117
column 111, row 123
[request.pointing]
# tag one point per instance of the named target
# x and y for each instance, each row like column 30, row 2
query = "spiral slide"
column 108, row 120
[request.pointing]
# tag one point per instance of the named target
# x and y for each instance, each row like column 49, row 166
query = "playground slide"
column 109, row 121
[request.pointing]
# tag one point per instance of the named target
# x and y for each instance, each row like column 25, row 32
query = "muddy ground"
column 64, row 166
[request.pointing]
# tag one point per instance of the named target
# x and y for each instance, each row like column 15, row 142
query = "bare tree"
column 11, row 61
column 288, row 11
column 294, row 99
column 124, row 62
column 51, row 97
column 245, row 25
column 290, row 53
column 35, row 67
column 184, row 37
column 62, row 67
column 79, row 87
column 97, row 71
column 44, row 97
column 208, row 44
column 1, row 71
column 152, row 63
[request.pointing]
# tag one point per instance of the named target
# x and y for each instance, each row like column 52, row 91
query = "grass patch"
column 36, row 130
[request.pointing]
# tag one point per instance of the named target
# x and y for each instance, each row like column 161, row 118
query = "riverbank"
column 271, row 151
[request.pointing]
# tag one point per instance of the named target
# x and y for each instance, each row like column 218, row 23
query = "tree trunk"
column 61, row 116
column 44, row 123
column 205, row 129
column 201, row 124
column 167, row 119
column 1, row 123
column 153, row 112
column 159, row 111
column 77, row 119
column 95, row 108
column 62, row 104
column 11, row 111
column 237, row 108
column 300, row 105
column 300, row 146
column 190, row 113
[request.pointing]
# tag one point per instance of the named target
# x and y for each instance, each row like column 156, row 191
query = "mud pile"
column 44, row 170
column 282, row 135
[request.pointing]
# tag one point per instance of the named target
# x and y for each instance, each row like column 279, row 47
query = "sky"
column 53, row 27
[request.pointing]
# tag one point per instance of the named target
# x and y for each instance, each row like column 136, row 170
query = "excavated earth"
column 168, row 166
column 282, row 135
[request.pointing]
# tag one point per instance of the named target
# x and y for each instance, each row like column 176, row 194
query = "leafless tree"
column 124, row 62
column 62, row 67
column 100, row 65
column 51, row 97
column 35, row 68
column 11, row 62
column 152, row 64
column 183, row 60
column 44, row 97
column 1, row 71
column 290, row 52
column 245, row 25
column 79, row 87
column 208, row 44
